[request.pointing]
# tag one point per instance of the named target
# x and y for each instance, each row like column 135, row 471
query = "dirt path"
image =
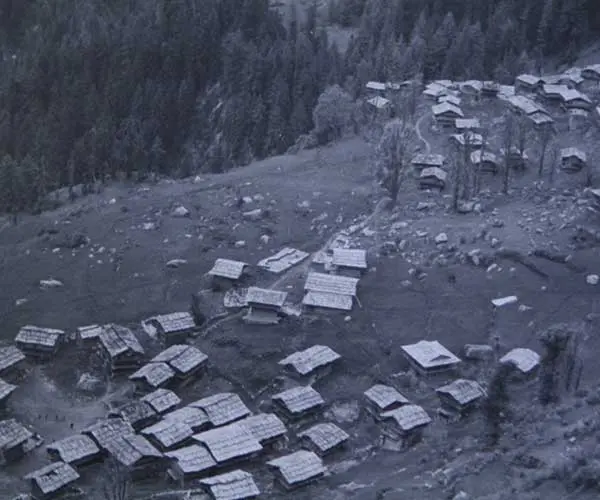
column 420, row 135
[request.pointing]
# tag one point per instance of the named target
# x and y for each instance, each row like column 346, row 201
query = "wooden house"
column 486, row 162
column 267, row 428
column 526, row 362
column 106, row 431
column 152, row 376
column 467, row 124
column 459, row 397
column 6, row 391
column 162, row 400
column 351, row 262
column 433, row 178
column 190, row 462
column 12, row 361
column 312, row 363
column 283, row 260
column 405, row 424
column 121, row 348
column 449, row 98
column 264, row 306
column 227, row 273
column 541, row 120
column 471, row 88
column 383, row 398
column 429, row 357
column 490, row 89
column 167, row 434
column 572, row 160
column 186, row 361
column 138, row 456
column 591, row 72
column 329, row 291
column 137, row 413
column 572, row 78
column 527, row 83
column 40, row 343
column 222, row 408
column 380, row 104
column 298, row 402
column 196, row 418
column 229, row 444
column 173, row 328
column 445, row 114
column 523, row 106
column 324, row 438
column 52, row 480
column 421, row 161
column 376, row 88
column 234, row 485
column 75, row 450
column 14, row 440
column 88, row 336
column 434, row 90
column 549, row 80
column 573, row 99
column 297, row 469
column 553, row 94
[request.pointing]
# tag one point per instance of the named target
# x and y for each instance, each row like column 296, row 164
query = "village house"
column 486, row 162
column 106, row 431
column 15, row 439
column 6, row 391
column 196, row 418
column 51, row 480
column 136, row 453
column 173, row 328
column 433, row 178
column 168, row 434
column 162, row 400
column 264, row 306
column 190, row 462
column 445, row 114
column 188, row 362
column 541, row 120
column 329, row 291
column 324, row 439
column 523, row 106
column 350, row 262
column 76, row 450
column 467, row 124
column 314, row 362
column 459, row 397
column 434, row 90
column 553, row 94
column 383, row 398
column 549, row 80
column 429, row 356
column 377, row 88
column 297, row 469
column 526, row 361
column 379, row 103
column 572, row 160
column 449, row 98
column 88, row 336
column 470, row 139
column 527, row 83
column 152, row 376
column 421, row 161
column 121, row 348
column 572, row 78
column 283, row 260
column 137, row 413
column 573, row 99
column 298, row 402
column 12, row 361
column 471, row 87
column 39, row 343
column 222, row 408
column 506, row 91
column 229, row 444
column 267, row 428
column 490, row 89
column 404, row 425
column 226, row 273
column 234, row 485
column 591, row 72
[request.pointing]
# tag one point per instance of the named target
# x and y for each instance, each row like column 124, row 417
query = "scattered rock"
column 247, row 199
column 461, row 496
column 368, row 232
column 50, row 283
column 264, row 239
column 240, row 244
column 174, row 263
column 466, row 207
column 524, row 308
column 396, row 226
column 253, row 215
column 149, row 226
column 478, row 352
column 181, row 211
column 20, row 302
column 592, row 279
column 425, row 205
column 441, row 238
column 89, row 383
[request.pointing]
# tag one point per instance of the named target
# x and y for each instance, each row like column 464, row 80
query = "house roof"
column 430, row 354
column 573, row 153
column 192, row 459
column 169, row 433
column 266, row 297
column 325, row 436
column 234, row 485
column 10, row 356
column 74, row 448
column 35, row 335
column 355, row 258
column 435, row 172
column 299, row 466
column 196, row 418
column 555, row 90
column 6, row 389
column 462, row 391
column 13, row 433
column 328, row 300
column 162, row 400
column 330, row 283
column 446, row 108
column 539, row 118
column 119, row 340
column 378, row 102
column 175, row 322
column 525, row 359
column 467, row 123
column 308, row 360
column 299, row 399
column 53, row 477
column 264, row 426
column 408, row 417
column 130, row 449
column 155, row 374
column 136, row 411
column 570, row 95
column 452, row 99
column 226, row 268
column 529, row 79
column 433, row 160
column 473, row 138
column 182, row 358
column 229, row 442
column 89, row 332
column 375, row 85
column 384, row 396
column 524, row 104
column 282, row 260
column 106, row 431
column 222, row 408
column 435, row 89
column 488, row 156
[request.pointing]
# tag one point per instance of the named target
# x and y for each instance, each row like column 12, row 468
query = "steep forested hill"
column 90, row 88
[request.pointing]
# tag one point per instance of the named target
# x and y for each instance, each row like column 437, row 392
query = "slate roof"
column 89, row 332
column 162, row 400
column 6, row 389
column 229, row 442
column 573, row 153
column 182, row 358
column 282, row 260
column 525, row 359
column 299, row 466
column 130, row 449
column 118, row 340
column 13, row 433
column 9, row 357
column 325, row 436
column 330, row 283
column 408, row 417
column 433, row 172
column 432, row 160
column 35, row 335
column 222, row 408
column 328, row 300
column 169, row 433
column 108, row 430
column 308, row 360
column 136, row 411
column 462, row 391
column 430, row 354
column 264, row 426
column 175, row 322
column 226, row 268
column 154, row 374
column 354, row 258
column 384, row 397
column 74, row 448
column 299, row 399
column 53, row 477
column 192, row 459
column 446, row 108
column 266, row 297
column 196, row 418
column 234, row 485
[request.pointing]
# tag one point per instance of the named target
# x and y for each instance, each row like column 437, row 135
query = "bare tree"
column 545, row 136
column 117, row 482
column 461, row 168
column 553, row 157
column 485, row 133
column 508, row 142
column 393, row 154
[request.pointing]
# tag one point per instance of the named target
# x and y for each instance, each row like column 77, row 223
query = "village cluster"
column 531, row 97
column 202, row 443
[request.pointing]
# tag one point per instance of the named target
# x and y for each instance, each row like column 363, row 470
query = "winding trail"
column 420, row 135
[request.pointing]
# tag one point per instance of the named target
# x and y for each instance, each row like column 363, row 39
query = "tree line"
column 100, row 89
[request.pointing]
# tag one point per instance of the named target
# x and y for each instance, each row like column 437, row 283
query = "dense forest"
column 92, row 89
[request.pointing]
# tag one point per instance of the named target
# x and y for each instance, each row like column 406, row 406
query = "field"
column 119, row 274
